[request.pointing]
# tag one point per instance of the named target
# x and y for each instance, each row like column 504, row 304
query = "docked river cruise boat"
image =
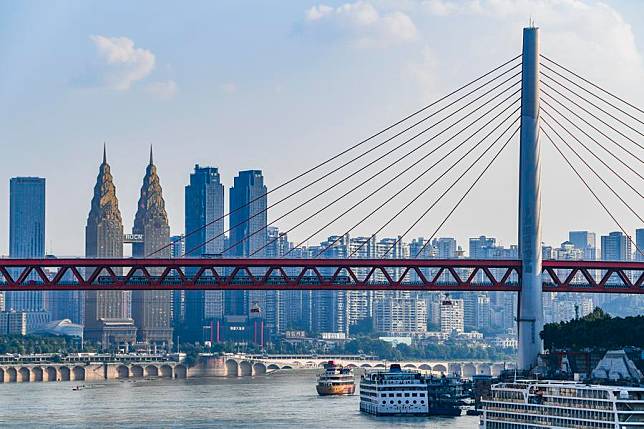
column 336, row 380
column 399, row 392
column 562, row 404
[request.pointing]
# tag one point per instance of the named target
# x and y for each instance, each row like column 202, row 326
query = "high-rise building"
column 204, row 223
column 276, row 311
column 328, row 309
column 177, row 250
column 400, row 316
column 451, row 312
column 26, row 235
column 585, row 241
column 482, row 247
column 248, row 217
column 444, row 247
column 151, row 309
column 639, row 242
column 616, row 247
column 13, row 322
column 248, row 237
column 106, row 312
column 177, row 246
column 204, row 212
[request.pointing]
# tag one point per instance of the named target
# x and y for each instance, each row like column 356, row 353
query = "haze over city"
column 278, row 87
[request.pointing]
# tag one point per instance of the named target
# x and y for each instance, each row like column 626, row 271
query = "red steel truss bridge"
column 316, row 274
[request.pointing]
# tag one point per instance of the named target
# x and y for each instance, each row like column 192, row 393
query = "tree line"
column 597, row 330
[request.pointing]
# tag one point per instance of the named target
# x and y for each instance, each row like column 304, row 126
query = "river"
column 279, row 400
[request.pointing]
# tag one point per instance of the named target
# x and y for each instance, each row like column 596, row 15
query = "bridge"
column 306, row 274
column 512, row 98
column 253, row 365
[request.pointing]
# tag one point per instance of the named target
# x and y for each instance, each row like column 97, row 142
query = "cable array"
column 480, row 101
column 612, row 126
column 514, row 65
column 473, row 119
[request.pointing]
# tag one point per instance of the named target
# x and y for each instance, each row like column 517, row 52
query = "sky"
column 279, row 86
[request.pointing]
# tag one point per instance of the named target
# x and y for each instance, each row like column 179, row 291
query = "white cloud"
column 123, row 64
column 364, row 23
column 163, row 89
column 317, row 12
column 589, row 36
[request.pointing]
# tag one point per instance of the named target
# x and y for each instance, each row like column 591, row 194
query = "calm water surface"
column 286, row 400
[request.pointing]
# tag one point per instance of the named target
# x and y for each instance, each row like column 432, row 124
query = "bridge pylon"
column 530, row 314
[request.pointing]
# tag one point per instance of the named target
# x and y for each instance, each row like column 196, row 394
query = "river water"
column 279, row 400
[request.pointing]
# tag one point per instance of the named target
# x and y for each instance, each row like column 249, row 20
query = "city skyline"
column 436, row 206
column 418, row 70
column 219, row 231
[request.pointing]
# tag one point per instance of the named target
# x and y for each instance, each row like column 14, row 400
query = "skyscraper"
column 328, row 308
column 106, row 312
column 248, row 219
column 204, row 223
column 151, row 309
column 248, row 235
column 616, row 247
column 586, row 241
column 26, row 234
column 639, row 242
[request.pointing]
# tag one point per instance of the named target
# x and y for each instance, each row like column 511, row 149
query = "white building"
column 400, row 316
column 452, row 317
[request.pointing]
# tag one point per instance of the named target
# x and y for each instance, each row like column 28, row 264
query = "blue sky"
column 275, row 86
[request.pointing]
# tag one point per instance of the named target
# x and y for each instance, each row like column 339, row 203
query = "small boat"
column 335, row 380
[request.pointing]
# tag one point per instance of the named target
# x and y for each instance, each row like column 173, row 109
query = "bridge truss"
column 315, row 274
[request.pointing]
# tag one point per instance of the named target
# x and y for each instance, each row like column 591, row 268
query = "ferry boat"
column 399, row 392
column 562, row 404
column 335, row 380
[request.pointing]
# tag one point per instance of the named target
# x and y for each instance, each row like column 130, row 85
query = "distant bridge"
column 252, row 365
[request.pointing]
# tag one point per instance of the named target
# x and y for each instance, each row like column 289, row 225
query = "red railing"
column 315, row 274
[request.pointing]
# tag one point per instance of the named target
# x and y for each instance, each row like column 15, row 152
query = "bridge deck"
column 316, row 274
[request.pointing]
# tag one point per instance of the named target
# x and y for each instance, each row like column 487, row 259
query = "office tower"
column 281, row 302
column 639, row 242
column 248, row 217
column 151, row 309
column 26, row 235
column 586, row 241
column 483, row 312
column 328, row 310
column 482, row 247
column 177, row 246
column 106, row 312
column 248, row 236
column 204, row 235
column 616, row 247
column 177, row 249
column 470, row 309
column 451, row 311
column 444, row 247
column 204, row 212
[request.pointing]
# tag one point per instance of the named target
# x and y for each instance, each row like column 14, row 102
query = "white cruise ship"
column 399, row 392
column 561, row 404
